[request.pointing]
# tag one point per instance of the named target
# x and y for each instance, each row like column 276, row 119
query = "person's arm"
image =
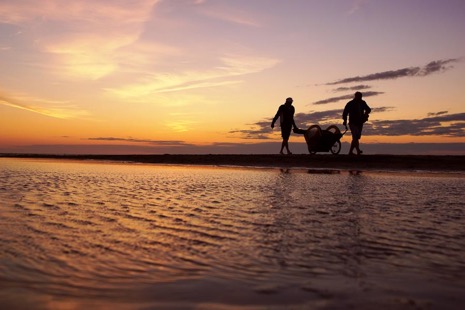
column 366, row 112
column 275, row 118
column 294, row 125
column 344, row 115
column 367, row 108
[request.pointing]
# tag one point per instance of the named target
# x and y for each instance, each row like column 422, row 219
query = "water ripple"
column 97, row 230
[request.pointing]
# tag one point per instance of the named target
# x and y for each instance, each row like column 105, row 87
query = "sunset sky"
column 207, row 76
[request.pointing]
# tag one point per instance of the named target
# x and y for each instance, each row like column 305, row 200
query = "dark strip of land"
column 365, row 162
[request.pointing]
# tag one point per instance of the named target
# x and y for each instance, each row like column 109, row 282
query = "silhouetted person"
column 358, row 111
column 286, row 114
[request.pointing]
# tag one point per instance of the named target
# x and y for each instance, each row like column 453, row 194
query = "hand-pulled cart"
column 319, row 140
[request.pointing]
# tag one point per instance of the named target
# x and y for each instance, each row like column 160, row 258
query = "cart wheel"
column 336, row 148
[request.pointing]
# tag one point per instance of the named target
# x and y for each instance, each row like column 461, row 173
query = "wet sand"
column 449, row 163
column 80, row 233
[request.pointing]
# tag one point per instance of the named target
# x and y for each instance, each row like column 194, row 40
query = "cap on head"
column 358, row 95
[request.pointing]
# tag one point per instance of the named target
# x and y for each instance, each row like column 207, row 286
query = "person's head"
column 289, row 100
column 358, row 95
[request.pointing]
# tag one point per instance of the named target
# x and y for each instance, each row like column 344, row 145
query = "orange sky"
column 193, row 75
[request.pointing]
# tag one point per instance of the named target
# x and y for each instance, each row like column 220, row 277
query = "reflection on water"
column 124, row 235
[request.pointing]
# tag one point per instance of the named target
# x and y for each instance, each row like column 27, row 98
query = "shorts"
column 356, row 131
column 286, row 131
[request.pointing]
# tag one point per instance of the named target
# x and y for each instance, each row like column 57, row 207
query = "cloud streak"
column 229, row 67
column 346, row 97
column 430, row 68
column 144, row 141
column 352, row 88
column 55, row 109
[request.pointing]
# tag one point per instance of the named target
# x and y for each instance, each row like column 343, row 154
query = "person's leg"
column 357, row 147
column 283, row 144
column 352, row 146
column 355, row 131
column 285, row 133
column 359, row 136
column 287, row 147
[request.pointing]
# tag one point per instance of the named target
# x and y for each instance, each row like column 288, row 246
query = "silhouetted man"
column 358, row 111
column 286, row 114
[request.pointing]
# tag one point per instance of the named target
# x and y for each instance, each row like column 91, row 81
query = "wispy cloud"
column 432, row 114
column 346, row 97
column 260, row 130
column 87, row 35
column 96, row 39
column 144, row 141
column 352, row 88
column 55, row 109
column 230, row 67
column 78, row 57
column 430, row 68
column 442, row 124
column 97, row 11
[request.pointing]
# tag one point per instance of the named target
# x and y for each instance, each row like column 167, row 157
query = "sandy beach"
column 366, row 162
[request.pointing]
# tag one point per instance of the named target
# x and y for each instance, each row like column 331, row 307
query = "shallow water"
column 108, row 235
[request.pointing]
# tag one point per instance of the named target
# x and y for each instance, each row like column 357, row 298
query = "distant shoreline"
column 448, row 163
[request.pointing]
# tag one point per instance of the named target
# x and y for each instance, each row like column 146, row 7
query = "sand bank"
column 364, row 162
